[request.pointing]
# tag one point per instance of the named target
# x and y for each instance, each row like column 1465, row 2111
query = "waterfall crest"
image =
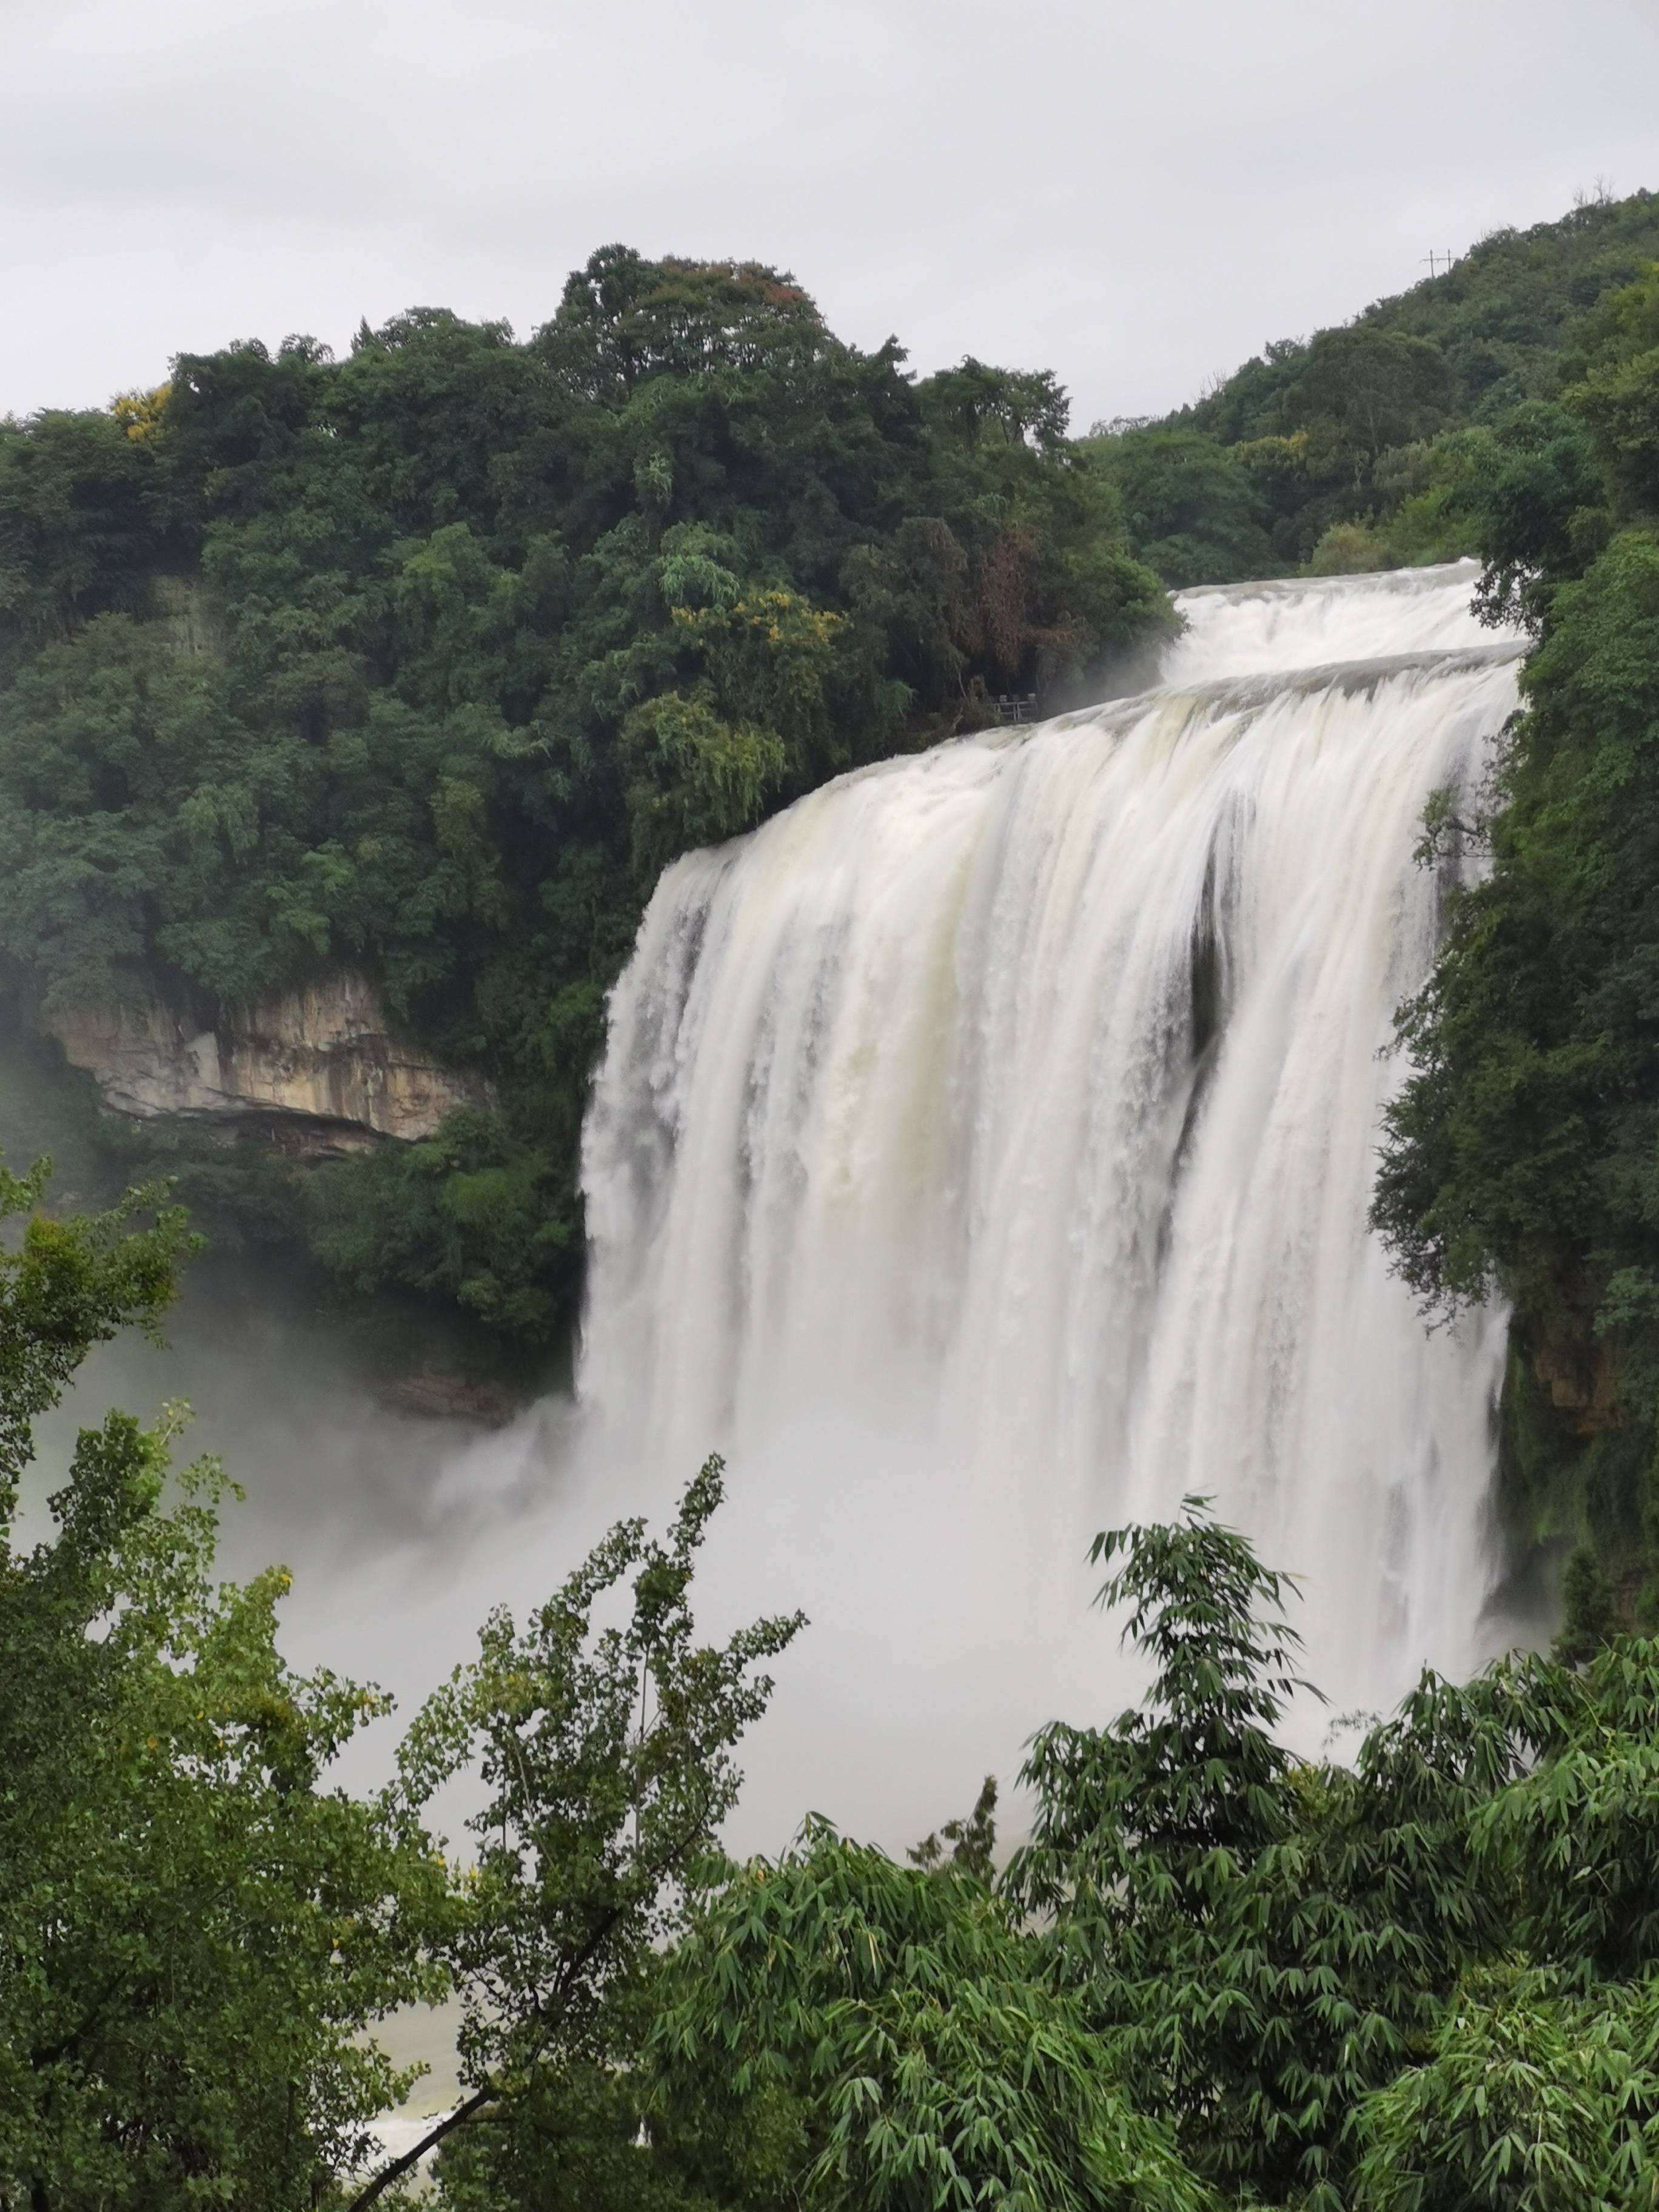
column 1267, row 630
column 991, row 1134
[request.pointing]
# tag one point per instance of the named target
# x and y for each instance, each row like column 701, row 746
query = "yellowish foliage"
column 142, row 413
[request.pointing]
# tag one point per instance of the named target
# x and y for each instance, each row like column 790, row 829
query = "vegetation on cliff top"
column 429, row 658
column 1346, row 451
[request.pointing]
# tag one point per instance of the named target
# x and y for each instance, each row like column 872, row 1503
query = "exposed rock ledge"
column 315, row 1068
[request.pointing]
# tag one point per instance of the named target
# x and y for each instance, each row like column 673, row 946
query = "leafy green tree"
column 1191, row 505
column 586, row 2138
column 1530, row 2102
column 905, row 2010
column 1425, row 1980
column 194, row 1931
column 1349, row 549
column 467, row 1214
column 1254, row 1939
column 605, row 1752
column 1237, row 1952
column 198, row 1932
column 76, row 537
column 972, row 1838
column 1363, row 390
column 978, row 402
column 1571, row 1835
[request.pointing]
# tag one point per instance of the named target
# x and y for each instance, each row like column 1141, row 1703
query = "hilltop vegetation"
column 1346, row 450
column 429, row 658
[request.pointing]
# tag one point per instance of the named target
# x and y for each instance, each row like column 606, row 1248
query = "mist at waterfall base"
column 981, row 1158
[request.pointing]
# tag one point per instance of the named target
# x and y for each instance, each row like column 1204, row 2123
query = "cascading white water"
column 988, row 1139
column 1267, row 630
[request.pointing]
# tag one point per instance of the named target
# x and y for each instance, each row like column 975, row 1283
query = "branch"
column 488, row 2094
column 547, row 2015
column 429, row 2141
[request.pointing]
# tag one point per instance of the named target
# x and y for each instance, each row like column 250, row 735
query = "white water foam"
column 1306, row 622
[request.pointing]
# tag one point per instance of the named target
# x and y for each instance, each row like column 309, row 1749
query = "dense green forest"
column 430, row 658
column 1346, row 451
column 1212, row 1977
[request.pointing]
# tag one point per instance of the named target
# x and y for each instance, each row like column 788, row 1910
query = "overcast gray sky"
column 1135, row 195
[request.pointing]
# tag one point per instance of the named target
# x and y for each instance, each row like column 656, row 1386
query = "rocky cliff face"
column 317, row 1069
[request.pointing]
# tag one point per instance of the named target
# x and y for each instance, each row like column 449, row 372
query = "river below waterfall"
column 981, row 1158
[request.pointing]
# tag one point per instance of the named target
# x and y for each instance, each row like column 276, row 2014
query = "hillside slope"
column 1340, row 451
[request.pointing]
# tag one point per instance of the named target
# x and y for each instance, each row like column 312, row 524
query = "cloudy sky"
column 1134, row 195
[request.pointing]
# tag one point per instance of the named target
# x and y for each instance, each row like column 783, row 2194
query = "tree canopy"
column 1340, row 452
column 427, row 659
column 1212, row 1976
column 1216, row 1975
column 200, row 1928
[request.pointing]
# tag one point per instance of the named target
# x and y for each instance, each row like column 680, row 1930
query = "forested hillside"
column 428, row 659
column 1344, row 451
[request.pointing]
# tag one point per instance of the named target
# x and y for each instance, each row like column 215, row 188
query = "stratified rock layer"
column 318, row 1067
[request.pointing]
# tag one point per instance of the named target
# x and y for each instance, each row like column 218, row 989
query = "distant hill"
column 1334, row 452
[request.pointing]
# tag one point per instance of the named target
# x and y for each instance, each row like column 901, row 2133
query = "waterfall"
column 1267, row 630
column 982, row 1150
